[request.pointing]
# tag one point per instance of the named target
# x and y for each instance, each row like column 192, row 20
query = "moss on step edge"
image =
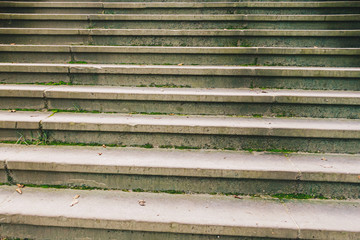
column 279, row 196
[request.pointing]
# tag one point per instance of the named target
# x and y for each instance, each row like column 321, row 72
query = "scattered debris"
column 100, row 154
column 142, row 202
column 104, row 146
column 324, row 159
column 74, row 202
column 238, row 197
column 19, row 190
column 20, row 185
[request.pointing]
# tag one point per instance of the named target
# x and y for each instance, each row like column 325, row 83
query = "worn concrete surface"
column 196, row 214
column 205, row 171
column 310, row 167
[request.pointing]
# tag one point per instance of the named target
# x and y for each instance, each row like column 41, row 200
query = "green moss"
column 148, row 145
column 282, row 196
column 78, row 62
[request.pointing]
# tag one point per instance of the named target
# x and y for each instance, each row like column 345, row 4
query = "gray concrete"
column 202, row 171
column 322, row 57
column 195, row 214
column 162, row 37
column 191, row 163
column 185, row 70
column 241, row 102
column 185, row 21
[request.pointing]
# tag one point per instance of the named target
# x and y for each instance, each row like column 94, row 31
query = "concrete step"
column 240, row 102
column 185, row 37
column 295, row 134
column 193, row 1
column 248, row 7
column 46, row 213
column 274, row 56
column 183, row 76
column 150, row 21
column 200, row 171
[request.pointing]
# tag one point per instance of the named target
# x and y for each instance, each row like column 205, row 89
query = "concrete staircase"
column 180, row 120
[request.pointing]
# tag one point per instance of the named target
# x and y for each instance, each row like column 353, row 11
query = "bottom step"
column 68, row 214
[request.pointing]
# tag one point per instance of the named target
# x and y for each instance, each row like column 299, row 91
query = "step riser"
column 179, row 24
column 186, row 59
column 186, row 81
column 51, row 232
column 197, row 108
column 188, row 184
column 181, row 41
column 249, row 10
column 191, row 140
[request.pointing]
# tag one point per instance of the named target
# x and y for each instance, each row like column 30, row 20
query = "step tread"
column 185, row 163
column 196, row 214
column 110, row 5
column 281, row 127
column 349, row 72
column 181, row 17
column 182, row 94
column 187, row 50
column 182, row 32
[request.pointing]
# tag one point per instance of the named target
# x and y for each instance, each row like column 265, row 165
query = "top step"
column 250, row 7
column 177, row 1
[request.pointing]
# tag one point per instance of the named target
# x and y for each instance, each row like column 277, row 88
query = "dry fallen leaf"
column 19, row 190
column 104, row 146
column 315, row 47
column 324, row 159
column 263, row 91
column 12, row 110
column 100, row 154
column 142, row 202
column 12, row 43
column 76, row 197
column 74, row 202
column 180, row 64
column 20, row 185
column 238, row 197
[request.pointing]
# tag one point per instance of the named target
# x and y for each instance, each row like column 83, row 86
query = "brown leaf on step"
column 12, row 43
column 238, row 197
column 20, row 185
column 74, row 202
column 12, row 110
column 180, row 64
column 100, row 154
column 104, row 146
column 171, row 114
column 76, row 196
column 142, row 202
column 263, row 91
column 19, row 190
column 324, row 159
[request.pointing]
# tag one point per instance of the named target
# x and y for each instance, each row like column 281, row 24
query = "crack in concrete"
column 292, row 218
column 9, row 178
